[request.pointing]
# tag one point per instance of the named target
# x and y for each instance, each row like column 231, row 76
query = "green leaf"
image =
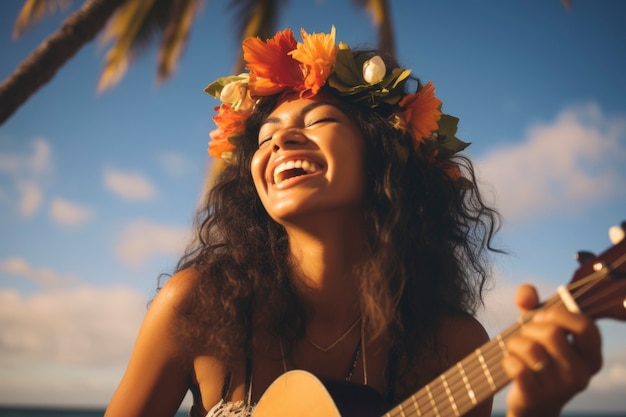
column 447, row 142
column 347, row 78
column 216, row 87
column 346, row 73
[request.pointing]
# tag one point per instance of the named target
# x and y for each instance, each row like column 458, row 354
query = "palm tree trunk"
column 386, row 38
column 41, row 65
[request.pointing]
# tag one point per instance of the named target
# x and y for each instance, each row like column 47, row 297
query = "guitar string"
column 603, row 273
column 455, row 383
column 480, row 386
column 497, row 372
column 439, row 395
column 472, row 370
column 585, row 284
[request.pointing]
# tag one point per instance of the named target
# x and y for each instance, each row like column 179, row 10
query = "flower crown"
column 283, row 64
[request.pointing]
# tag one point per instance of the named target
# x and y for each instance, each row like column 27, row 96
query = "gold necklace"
column 336, row 342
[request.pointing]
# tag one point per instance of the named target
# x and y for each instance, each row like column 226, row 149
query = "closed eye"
column 264, row 141
column 322, row 120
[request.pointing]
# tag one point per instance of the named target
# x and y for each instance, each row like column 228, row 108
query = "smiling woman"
column 330, row 172
column 346, row 241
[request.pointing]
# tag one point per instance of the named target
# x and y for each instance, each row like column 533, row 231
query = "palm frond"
column 33, row 11
column 175, row 35
column 122, row 30
column 140, row 23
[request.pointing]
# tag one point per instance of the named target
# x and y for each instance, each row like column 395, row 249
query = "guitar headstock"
column 599, row 284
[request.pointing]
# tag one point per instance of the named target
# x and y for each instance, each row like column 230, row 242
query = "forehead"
column 293, row 103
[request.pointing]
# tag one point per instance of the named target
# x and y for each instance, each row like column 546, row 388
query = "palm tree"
column 41, row 65
column 130, row 25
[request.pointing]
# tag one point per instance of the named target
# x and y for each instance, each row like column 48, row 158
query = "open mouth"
column 294, row 168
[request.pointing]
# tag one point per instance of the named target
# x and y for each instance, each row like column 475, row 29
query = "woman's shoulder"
column 168, row 307
column 161, row 365
column 178, row 288
column 459, row 335
column 455, row 338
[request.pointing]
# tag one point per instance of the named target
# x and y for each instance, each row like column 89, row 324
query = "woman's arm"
column 553, row 358
column 158, row 373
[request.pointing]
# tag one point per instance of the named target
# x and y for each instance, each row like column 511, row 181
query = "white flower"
column 236, row 90
column 232, row 92
column 374, row 70
column 237, row 95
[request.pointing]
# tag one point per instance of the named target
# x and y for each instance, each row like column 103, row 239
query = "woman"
column 344, row 237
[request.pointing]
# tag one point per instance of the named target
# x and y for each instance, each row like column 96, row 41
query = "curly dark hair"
column 428, row 245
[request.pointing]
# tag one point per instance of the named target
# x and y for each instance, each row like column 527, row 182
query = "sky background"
column 97, row 192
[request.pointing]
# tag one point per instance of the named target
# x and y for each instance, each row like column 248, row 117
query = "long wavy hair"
column 428, row 241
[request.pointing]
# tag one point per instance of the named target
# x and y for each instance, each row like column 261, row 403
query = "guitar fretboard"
column 466, row 384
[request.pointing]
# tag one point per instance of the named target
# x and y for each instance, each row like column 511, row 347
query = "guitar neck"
column 467, row 383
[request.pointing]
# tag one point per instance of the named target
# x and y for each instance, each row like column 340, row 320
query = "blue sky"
column 97, row 192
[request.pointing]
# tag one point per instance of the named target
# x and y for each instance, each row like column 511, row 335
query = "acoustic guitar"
column 597, row 289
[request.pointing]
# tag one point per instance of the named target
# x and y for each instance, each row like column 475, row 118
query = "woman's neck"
column 324, row 258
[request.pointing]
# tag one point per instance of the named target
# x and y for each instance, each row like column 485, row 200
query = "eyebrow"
column 303, row 111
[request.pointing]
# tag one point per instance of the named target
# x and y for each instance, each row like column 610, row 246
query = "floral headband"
column 283, row 64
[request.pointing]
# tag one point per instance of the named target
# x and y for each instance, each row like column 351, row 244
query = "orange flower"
column 422, row 112
column 317, row 52
column 219, row 144
column 450, row 168
column 229, row 123
column 273, row 69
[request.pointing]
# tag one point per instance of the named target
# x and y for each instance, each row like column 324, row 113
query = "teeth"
column 307, row 166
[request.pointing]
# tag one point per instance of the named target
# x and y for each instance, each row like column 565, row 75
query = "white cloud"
column 30, row 197
column 49, row 384
column 569, row 164
column 175, row 164
column 614, row 375
column 28, row 173
column 130, row 186
column 70, row 346
column 67, row 213
column 500, row 310
column 46, row 277
column 40, row 161
column 142, row 240
column 86, row 325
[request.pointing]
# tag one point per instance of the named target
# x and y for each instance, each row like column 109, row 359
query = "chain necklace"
column 360, row 349
column 336, row 342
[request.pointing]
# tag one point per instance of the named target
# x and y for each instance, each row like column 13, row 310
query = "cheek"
column 352, row 154
column 257, row 169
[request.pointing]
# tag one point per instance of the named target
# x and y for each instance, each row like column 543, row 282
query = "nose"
column 286, row 138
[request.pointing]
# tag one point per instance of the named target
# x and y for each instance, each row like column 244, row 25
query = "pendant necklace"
column 336, row 342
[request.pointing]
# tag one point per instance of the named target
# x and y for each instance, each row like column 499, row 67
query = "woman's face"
column 309, row 160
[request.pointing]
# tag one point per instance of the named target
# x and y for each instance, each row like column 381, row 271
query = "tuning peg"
column 584, row 256
column 617, row 233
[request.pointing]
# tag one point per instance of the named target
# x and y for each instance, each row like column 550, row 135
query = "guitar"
column 597, row 289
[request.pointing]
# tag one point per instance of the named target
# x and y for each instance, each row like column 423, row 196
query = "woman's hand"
column 552, row 358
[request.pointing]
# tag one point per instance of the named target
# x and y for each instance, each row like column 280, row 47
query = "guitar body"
column 301, row 394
